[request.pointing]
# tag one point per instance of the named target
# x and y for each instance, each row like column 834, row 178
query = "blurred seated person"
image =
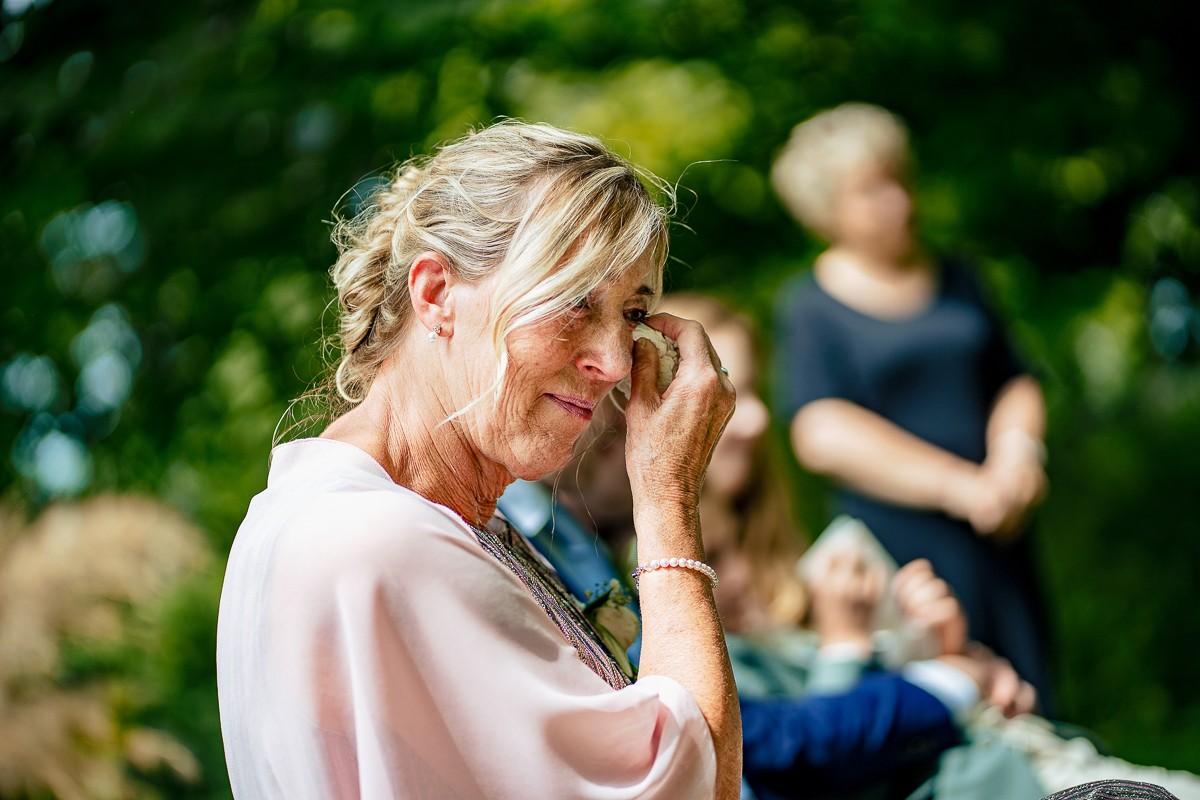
column 899, row 383
column 823, row 715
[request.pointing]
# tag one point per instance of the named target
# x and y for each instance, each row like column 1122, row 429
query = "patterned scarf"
column 509, row 547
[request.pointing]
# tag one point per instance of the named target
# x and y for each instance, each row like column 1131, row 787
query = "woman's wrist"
column 667, row 528
column 1015, row 444
column 692, row 564
column 959, row 488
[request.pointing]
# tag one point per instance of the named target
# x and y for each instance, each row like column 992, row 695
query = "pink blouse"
column 368, row 647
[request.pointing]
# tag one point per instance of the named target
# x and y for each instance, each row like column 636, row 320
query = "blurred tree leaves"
column 178, row 164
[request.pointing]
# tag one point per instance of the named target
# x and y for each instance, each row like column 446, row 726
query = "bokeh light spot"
column 89, row 247
column 61, row 465
column 30, row 383
column 74, row 73
column 314, row 128
column 11, row 39
column 104, row 383
column 50, row 454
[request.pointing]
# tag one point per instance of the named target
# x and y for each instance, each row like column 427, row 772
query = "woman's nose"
column 607, row 354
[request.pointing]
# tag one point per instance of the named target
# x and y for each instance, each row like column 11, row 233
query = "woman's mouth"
column 576, row 406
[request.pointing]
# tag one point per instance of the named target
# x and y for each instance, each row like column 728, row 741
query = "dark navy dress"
column 935, row 374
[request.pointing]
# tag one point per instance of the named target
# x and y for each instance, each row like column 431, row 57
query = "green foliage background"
column 1056, row 147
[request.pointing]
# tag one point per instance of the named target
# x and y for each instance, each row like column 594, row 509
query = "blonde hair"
column 824, row 148
column 549, row 213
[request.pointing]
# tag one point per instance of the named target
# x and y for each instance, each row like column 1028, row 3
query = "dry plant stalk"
column 91, row 571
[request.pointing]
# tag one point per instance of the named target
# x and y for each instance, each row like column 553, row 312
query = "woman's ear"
column 429, row 289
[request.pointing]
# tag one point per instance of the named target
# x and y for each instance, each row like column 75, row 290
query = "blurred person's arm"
column 843, row 597
column 860, row 448
column 1016, row 452
column 964, row 671
column 874, row 456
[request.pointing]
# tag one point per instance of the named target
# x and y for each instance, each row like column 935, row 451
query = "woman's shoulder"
column 329, row 500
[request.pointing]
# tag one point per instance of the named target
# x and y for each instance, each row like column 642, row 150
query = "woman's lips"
column 575, row 406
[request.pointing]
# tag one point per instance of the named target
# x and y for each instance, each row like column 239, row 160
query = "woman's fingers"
column 1006, row 685
column 914, row 571
column 929, row 601
column 928, row 590
column 643, row 383
column 671, row 436
column 1000, row 686
column 1026, row 699
column 916, row 586
column 1008, row 493
column 696, row 353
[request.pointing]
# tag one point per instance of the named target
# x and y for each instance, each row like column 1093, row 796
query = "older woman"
column 382, row 633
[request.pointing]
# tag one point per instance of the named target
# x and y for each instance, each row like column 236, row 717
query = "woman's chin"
column 531, row 473
column 538, row 465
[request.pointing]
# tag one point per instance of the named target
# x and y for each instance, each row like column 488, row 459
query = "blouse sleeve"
column 404, row 661
column 810, row 363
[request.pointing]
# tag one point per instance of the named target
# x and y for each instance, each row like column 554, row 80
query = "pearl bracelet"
column 686, row 563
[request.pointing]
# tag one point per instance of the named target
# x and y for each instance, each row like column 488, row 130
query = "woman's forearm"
column 876, row 457
column 1016, row 454
column 682, row 636
column 1020, row 407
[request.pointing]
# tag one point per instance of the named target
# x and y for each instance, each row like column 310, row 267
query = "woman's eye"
column 636, row 315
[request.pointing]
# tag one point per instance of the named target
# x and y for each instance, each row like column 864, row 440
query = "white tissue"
column 668, row 358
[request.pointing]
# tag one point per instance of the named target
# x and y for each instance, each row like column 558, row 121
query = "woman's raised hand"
column 668, row 444
column 671, row 436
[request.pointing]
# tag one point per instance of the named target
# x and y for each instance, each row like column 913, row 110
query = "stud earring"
column 435, row 333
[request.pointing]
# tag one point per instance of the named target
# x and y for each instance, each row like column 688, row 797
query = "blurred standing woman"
column 900, row 384
column 382, row 632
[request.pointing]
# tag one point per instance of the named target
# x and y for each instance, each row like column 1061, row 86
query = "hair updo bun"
column 550, row 213
column 367, row 280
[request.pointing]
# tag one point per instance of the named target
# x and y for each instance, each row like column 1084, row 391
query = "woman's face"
column 733, row 457
column 873, row 210
column 558, row 371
